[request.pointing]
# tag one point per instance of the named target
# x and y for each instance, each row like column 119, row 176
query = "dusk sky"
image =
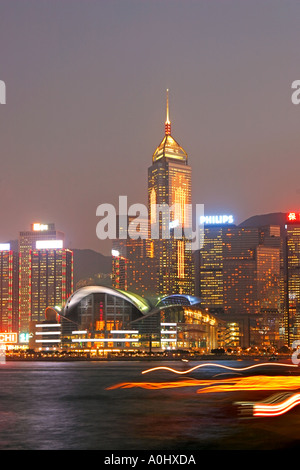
column 85, row 107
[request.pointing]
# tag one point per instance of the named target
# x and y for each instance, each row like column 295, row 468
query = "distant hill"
column 87, row 263
column 276, row 218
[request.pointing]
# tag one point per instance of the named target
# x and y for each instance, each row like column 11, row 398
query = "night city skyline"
column 86, row 103
column 150, row 227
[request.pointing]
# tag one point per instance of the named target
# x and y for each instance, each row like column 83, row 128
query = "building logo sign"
column 49, row 244
column 4, row 246
column 8, row 338
column 293, row 217
column 2, row 92
column 216, row 219
column 40, row 227
column 24, row 338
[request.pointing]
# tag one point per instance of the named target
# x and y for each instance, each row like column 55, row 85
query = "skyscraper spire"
column 169, row 148
column 167, row 123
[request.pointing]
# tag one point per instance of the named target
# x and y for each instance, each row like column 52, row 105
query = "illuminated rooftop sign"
column 8, row 338
column 24, row 337
column 216, row 219
column 39, row 227
column 4, row 246
column 293, row 217
column 49, row 244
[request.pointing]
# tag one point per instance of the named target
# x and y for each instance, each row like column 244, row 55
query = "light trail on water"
column 221, row 366
column 275, row 405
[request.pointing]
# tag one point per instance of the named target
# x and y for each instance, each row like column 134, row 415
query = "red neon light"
column 292, row 216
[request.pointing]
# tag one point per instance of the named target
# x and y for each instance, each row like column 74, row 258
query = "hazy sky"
column 86, row 86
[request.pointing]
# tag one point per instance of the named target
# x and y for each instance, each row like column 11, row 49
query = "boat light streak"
column 269, row 409
column 276, row 405
column 157, row 385
column 257, row 383
column 180, row 372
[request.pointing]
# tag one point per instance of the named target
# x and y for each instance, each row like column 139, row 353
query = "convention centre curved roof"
column 179, row 299
column 139, row 302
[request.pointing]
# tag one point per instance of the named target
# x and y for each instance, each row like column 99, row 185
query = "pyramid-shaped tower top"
column 169, row 148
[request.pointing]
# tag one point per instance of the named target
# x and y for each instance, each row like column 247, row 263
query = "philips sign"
column 216, row 219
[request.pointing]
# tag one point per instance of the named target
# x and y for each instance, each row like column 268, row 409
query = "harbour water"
column 83, row 406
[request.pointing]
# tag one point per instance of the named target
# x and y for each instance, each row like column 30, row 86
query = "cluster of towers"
column 35, row 272
column 245, row 272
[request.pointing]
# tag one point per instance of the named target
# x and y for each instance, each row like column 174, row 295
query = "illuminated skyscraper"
column 293, row 277
column 9, row 289
column 51, row 277
column 209, row 268
column 169, row 185
column 251, row 270
column 160, row 264
column 238, row 272
column 27, row 242
column 132, row 263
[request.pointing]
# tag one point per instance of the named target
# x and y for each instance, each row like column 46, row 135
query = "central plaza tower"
column 169, row 185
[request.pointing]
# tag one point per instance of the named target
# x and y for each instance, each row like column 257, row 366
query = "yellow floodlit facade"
column 169, row 184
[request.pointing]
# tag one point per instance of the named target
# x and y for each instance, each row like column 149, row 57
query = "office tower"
column 209, row 268
column 252, row 284
column 238, row 275
column 160, row 261
column 251, row 270
column 292, row 277
column 9, row 289
column 169, row 186
column 132, row 262
column 27, row 242
column 119, row 265
column 51, row 277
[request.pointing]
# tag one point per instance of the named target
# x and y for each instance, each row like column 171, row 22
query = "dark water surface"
column 68, row 406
